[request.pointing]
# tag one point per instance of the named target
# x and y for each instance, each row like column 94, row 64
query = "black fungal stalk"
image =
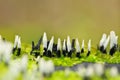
column 70, row 53
column 36, row 49
column 33, row 47
column 64, row 50
column 49, row 53
column 14, row 49
column 50, row 47
column 45, row 52
column 58, row 53
column 17, row 46
column 69, row 47
column 64, row 53
column 39, row 43
column 48, row 43
column 104, row 51
column 88, row 53
column 54, row 47
column 101, row 43
column 89, row 48
column 101, row 48
column 82, row 50
column 73, row 45
column 113, row 43
column 78, row 54
column 18, row 51
column 113, row 50
column 106, row 42
column 45, row 44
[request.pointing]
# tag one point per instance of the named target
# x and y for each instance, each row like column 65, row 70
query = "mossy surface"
column 95, row 57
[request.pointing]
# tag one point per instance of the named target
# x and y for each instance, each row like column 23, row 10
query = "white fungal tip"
column 103, row 39
column 106, row 42
column 89, row 45
column 44, row 40
column 64, row 45
column 112, row 33
column 59, row 44
column 83, row 44
column 68, row 44
column 16, row 41
column 77, row 46
column 51, row 44
column 113, row 39
column 19, row 42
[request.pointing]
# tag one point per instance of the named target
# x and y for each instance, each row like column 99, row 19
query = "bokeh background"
column 85, row 19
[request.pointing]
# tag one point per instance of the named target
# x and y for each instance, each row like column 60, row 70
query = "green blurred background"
column 85, row 19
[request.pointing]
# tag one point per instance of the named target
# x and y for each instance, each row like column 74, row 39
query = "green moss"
column 61, row 75
column 95, row 56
